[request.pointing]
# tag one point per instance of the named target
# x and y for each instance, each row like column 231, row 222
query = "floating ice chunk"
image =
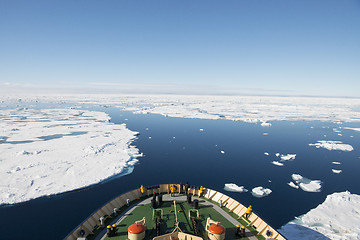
column 277, row 154
column 338, row 163
column 288, row 157
column 336, row 130
column 332, row 145
column 339, row 134
column 149, row 137
column 354, row 129
column 336, row 218
column 146, row 129
column 232, row 187
column 336, row 171
column 277, row 163
column 265, row 124
column 265, row 134
column 292, row 184
column 173, row 137
column 307, row 185
column 260, row 192
column 222, row 152
column 266, row 153
column 201, row 129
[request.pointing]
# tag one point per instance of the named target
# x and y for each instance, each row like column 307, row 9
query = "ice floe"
column 306, row 184
column 265, row 124
column 332, row 145
column 354, row 129
column 277, row 163
column 223, row 152
column 292, row 184
column 266, row 153
column 288, row 157
column 260, row 192
column 336, row 171
column 58, row 150
column 277, row 154
column 337, row 163
column 336, row 218
column 232, row 187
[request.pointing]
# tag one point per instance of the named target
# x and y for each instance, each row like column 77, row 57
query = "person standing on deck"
column 142, row 190
column 248, row 212
column 172, row 190
column 187, row 186
column 201, row 191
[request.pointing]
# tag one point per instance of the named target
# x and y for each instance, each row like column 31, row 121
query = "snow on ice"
column 232, row 187
column 336, row 218
column 58, row 150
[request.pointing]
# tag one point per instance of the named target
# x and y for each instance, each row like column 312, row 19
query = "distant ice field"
column 175, row 149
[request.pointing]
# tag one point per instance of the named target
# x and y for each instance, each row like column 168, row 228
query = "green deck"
column 205, row 210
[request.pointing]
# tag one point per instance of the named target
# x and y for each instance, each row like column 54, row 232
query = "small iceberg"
column 260, row 192
column 232, row 187
column 336, row 171
column 266, row 153
column 222, row 152
column 336, row 163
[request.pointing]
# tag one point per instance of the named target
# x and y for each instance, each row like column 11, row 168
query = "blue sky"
column 282, row 47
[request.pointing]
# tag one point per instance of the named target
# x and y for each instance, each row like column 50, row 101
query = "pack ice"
column 51, row 151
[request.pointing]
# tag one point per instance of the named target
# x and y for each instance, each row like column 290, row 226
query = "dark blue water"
column 195, row 156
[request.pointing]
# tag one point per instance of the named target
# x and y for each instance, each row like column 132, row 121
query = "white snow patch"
column 232, row 187
column 260, row 192
column 306, row 184
column 58, row 150
column 336, row 171
column 332, row 145
column 277, row 163
column 336, row 218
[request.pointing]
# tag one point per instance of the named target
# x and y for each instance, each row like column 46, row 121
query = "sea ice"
column 232, row 187
column 292, row 184
column 354, row 129
column 266, row 153
column 307, row 185
column 332, row 145
column 336, row 171
column 260, row 192
column 201, row 130
column 277, row 163
column 265, row 134
column 288, row 157
column 336, row 218
column 338, row 163
column 59, row 150
column 222, row 152
column 265, row 124
column 277, row 154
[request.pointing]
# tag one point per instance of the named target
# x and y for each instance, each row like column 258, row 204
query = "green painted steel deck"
column 142, row 209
